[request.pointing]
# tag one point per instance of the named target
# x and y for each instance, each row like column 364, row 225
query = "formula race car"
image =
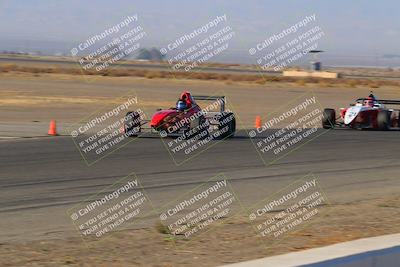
column 187, row 119
column 366, row 113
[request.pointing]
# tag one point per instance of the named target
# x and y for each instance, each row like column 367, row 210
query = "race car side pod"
column 52, row 128
column 258, row 122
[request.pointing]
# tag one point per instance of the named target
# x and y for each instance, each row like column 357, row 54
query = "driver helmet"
column 370, row 100
column 181, row 105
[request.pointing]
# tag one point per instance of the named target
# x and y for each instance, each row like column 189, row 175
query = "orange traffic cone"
column 52, row 128
column 258, row 122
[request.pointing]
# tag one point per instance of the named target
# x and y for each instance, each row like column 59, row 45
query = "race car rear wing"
column 221, row 99
column 385, row 102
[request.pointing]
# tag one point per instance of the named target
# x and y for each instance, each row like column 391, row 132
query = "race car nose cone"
column 351, row 114
column 158, row 117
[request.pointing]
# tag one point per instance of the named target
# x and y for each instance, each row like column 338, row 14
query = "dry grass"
column 301, row 82
column 352, row 83
column 8, row 67
column 162, row 229
column 227, row 78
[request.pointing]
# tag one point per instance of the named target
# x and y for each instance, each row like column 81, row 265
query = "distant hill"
column 152, row 54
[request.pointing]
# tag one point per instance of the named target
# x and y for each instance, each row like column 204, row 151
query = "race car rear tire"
column 328, row 118
column 132, row 124
column 198, row 127
column 227, row 120
column 383, row 120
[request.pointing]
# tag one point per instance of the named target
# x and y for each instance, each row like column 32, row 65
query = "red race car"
column 366, row 113
column 186, row 119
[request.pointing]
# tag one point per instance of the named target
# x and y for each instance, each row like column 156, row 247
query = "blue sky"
column 356, row 27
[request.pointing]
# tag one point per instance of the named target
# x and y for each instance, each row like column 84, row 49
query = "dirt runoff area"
column 230, row 242
column 27, row 97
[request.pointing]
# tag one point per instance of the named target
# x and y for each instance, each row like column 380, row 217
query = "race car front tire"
column 383, row 120
column 328, row 118
column 132, row 124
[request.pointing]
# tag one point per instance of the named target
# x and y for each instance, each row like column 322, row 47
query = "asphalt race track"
column 42, row 177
